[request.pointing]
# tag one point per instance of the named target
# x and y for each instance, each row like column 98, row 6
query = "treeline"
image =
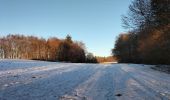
column 106, row 59
column 52, row 49
column 148, row 40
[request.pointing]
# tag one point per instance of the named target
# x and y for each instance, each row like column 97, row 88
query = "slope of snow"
column 39, row 80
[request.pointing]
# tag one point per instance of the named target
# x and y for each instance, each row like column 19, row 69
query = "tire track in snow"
column 141, row 87
column 99, row 86
column 50, row 88
column 83, row 82
column 25, row 76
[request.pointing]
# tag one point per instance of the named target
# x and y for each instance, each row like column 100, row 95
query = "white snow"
column 40, row 80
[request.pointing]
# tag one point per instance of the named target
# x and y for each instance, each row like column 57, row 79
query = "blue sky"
column 95, row 22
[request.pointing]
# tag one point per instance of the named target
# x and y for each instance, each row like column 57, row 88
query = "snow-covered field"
column 38, row 80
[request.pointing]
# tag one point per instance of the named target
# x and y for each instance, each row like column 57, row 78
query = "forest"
column 15, row 46
column 51, row 49
column 148, row 36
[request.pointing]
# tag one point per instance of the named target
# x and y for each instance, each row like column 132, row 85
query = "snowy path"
column 38, row 80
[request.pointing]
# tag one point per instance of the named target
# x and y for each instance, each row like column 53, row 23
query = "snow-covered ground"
column 38, row 80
